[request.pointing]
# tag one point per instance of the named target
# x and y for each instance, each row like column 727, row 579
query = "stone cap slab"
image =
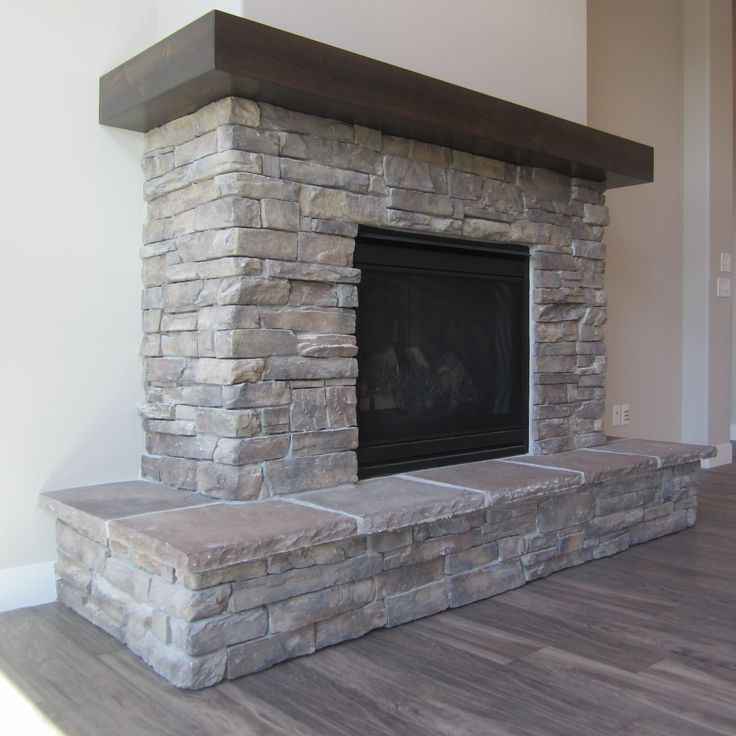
column 666, row 453
column 592, row 466
column 195, row 533
column 89, row 508
column 500, row 481
column 393, row 502
column 221, row 534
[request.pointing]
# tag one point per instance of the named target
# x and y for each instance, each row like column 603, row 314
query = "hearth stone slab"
column 385, row 504
column 89, row 508
column 666, row 453
column 221, row 589
column 501, row 481
column 594, row 467
column 220, row 534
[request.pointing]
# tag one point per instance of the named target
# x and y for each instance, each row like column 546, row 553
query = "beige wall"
column 635, row 63
column 660, row 72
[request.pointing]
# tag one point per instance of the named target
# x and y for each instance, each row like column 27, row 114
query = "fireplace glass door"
column 443, row 351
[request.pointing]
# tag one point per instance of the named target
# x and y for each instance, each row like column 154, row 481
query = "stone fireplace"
column 249, row 539
column 251, row 291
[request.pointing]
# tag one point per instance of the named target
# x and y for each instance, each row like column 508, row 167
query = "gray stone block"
column 416, row 604
column 187, row 604
column 303, row 474
column 288, row 615
column 311, row 172
column 227, row 422
column 254, row 343
column 259, row 654
column 296, row 368
column 213, row 634
column 252, row 450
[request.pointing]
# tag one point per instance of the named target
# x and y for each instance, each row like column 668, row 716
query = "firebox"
column 443, row 341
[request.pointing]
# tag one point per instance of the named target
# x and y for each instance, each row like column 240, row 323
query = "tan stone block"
column 228, row 372
column 280, row 215
column 244, row 290
column 244, row 138
column 227, row 422
column 241, row 483
column 339, row 205
column 321, row 248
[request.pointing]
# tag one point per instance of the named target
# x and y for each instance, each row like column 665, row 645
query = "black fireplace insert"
column 443, row 351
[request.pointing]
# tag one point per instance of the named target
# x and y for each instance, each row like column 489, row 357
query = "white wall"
column 72, row 215
column 531, row 52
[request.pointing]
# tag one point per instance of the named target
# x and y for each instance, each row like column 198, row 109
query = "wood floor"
column 642, row 644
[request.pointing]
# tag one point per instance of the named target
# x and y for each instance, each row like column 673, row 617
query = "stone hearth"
column 204, row 590
column 249, row 540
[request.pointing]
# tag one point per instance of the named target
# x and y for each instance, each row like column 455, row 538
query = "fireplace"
column 443, row 338
column 366, row 259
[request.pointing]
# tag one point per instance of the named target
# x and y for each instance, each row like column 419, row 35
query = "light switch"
column 723, row 287
column 725, row 262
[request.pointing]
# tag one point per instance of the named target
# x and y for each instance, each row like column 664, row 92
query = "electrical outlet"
column 616, row 418
column 723, row 287
column 726, row 262
column 625, row 414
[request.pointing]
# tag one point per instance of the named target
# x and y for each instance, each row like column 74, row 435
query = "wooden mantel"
column 220, row 55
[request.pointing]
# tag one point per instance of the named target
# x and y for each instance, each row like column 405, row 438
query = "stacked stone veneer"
column 250, row 295
column 207, row 590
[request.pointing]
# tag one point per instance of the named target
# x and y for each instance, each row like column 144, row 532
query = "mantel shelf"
column 221, row 55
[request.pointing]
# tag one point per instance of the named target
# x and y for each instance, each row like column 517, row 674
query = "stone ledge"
column 179, row 528
column 204, row 590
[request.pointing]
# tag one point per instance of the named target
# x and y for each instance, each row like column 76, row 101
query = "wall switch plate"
column 616, row 418
column 625, row 414
column 725, row 262
column 723, row 287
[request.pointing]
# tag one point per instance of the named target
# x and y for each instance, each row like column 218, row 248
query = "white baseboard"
column 27, row 585
column 724, row 456
column 733, row 432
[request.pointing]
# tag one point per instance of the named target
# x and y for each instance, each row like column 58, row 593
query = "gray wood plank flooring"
column 640, row 644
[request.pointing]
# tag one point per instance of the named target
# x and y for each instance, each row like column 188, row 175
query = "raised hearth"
column 204, row 590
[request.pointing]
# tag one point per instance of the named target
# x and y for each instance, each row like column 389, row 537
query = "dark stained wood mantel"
column 220, row 55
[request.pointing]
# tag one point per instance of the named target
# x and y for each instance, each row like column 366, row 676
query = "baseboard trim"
column 27, row 585
column 724, row 456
